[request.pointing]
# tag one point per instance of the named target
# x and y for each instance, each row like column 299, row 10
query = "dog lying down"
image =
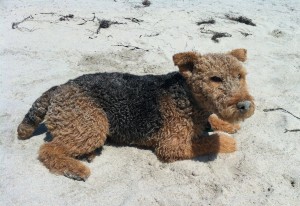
column 167, row 113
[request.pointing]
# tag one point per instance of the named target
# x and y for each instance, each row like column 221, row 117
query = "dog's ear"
column 185, row 62
column 240, row 54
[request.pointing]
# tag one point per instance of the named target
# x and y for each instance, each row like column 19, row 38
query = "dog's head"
column 218, row 82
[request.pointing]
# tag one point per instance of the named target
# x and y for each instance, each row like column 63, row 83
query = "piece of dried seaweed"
column 104, row 24
column 146, row 3
column 209, row 21
column 135, row 20
column 66, row 17
column 241, row 19
column 245, row 34
column 215, row 34
column 218, row 35
column 131, row 47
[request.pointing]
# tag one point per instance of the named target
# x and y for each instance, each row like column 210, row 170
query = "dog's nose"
column 243, row 106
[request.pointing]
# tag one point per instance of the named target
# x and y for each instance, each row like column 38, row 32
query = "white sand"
column 45, row 52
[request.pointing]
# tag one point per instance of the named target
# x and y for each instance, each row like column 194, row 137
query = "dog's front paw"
column 227, row 144
column 231, row 128
column 218, row 124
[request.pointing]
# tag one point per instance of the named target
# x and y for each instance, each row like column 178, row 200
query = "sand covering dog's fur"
column 168, row 113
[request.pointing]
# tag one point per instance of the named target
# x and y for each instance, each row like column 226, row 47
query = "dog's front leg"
column 179, row 148
column 220, row 125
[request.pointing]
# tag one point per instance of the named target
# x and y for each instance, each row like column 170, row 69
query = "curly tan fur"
column 217, row 124
column 184, row 61
column 78, row 127
column 221, row 97
column 180, row 137
column 168, row 113
column 240, row 54
column 59, row 161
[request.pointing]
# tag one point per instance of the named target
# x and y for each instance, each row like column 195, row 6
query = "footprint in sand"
column 277, row 33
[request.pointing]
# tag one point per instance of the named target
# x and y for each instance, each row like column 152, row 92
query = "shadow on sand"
column 41, row 130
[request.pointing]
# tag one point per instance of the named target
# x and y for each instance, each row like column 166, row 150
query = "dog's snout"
column 243, row 106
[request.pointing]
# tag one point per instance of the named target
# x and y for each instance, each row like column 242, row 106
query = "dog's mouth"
column 238, row 111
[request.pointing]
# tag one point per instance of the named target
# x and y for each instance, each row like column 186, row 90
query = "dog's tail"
column 35, row 115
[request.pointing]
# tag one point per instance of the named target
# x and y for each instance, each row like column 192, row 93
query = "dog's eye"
column 216, row 79
column 239, row 76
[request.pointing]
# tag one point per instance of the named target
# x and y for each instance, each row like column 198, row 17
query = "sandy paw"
column 232, row 128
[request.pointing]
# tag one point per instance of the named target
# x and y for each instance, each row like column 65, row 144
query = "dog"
column 168, row 113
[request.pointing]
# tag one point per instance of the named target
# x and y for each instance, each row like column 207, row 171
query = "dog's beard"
column 224, row 107
column 233, row 114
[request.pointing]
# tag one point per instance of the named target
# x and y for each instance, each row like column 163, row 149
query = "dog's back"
column 131, row 102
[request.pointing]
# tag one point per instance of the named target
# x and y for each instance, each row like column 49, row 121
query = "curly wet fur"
column 165, row 112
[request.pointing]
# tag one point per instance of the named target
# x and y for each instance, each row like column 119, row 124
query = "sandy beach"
column 60, row 40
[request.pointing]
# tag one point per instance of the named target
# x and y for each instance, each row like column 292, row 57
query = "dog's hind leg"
column 35, row 115
column 78, row 127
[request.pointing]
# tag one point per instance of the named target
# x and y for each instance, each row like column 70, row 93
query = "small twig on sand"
column 52, row 13
column 116, row 22
column 16, row 24
column 291, row 130
column 209, row 21
column 245, row 34
column 94, row 17
column 130, row 47
column 202, row 30
column 279, row 108
column 151, row 35
column 135, row 20
column 240, row 19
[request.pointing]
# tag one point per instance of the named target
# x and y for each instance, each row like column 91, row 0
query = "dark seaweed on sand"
column 104, row 24
column 209, row 21
column 66, row 17
column 219, row 35
column 146, row 3
column 241, row 19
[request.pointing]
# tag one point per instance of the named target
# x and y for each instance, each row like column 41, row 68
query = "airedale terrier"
column 168, row 113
